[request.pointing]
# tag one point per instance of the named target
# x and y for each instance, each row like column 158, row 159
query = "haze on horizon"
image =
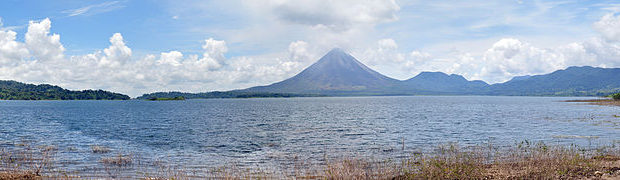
column 137, row 47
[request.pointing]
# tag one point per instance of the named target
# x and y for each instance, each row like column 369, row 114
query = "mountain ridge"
column 335, row 72
column 340, row 74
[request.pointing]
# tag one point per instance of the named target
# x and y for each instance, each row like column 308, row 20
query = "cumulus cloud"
column 171, row 58
column 11, row 51
column 609, row 27
column 117, row 54
column 213, row 58
column 43, row 46
column 506, row 58
column 41, row 59
column 299, row 51
column 510, row 57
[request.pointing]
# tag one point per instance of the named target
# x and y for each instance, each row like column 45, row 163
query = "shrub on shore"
column 616, row 96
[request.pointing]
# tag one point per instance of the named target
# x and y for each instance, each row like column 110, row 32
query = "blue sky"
column 219, row 45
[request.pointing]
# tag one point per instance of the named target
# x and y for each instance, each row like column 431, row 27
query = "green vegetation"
column 178, row 98
column 219, row 94
column 13, row 90
column 615, row 96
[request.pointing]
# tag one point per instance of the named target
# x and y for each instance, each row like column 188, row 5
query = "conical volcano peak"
column 336, row 71
column 338, row 58
column 336, row 51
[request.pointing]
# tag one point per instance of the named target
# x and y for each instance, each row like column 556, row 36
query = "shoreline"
column 525, row 160
column 602, row 102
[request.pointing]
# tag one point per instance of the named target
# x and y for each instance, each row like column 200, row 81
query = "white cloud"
column 11, row 51
column 338, row 15
column 213, row 58
column 42, row 46
column 300, row 51
column 171, row 58
column 387, row 44
column 94, row 9
column 609, row 27
column 41, row 59
column 510, row 57
column 117, row 54
column 506, row 58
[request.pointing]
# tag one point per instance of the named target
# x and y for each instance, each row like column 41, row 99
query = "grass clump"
column 26, row 162
column 449, row 163
column 359, row 169
column 525, row 160
column 118, row 160
column 99, row 149
column 17, row 174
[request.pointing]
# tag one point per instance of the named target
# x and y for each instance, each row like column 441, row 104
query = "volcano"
column 335, row 73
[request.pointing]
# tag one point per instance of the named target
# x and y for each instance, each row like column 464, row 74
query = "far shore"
column 602, row 101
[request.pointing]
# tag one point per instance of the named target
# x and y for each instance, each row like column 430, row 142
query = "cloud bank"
column 506, row 58
column 41, row 57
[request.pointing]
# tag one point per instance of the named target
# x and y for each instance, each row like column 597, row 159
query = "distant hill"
column 13, row 90
column 573, row 81
column 336, row 73
column 519, row 78
column 441, row 83
column 340, row 74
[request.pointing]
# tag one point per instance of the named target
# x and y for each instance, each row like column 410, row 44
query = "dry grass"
column 118, row 160
column 17, row 175
column 525, row 160
column 26, row 162
column 448, row 163
column 602, row 102
column 99, row 149
column 359, row 169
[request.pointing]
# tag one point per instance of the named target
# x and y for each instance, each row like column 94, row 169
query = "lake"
column 269, row 132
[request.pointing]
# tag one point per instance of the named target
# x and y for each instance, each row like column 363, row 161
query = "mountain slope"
column 441, row 83
column 336, row 72
column 13, row 90
column 339, row 74
column 573, row 81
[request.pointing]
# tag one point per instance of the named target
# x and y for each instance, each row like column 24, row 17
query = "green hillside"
column 13, row 90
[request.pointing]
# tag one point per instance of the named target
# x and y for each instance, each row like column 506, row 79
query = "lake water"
column 269, row 132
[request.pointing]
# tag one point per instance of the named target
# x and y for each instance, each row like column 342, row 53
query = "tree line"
column 13, row 90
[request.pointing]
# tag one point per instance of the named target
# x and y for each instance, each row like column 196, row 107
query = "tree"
column 616, row 96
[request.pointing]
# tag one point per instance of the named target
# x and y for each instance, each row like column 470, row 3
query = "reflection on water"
column 270, row 132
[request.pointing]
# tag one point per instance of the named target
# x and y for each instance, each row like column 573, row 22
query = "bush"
column 616, row 96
